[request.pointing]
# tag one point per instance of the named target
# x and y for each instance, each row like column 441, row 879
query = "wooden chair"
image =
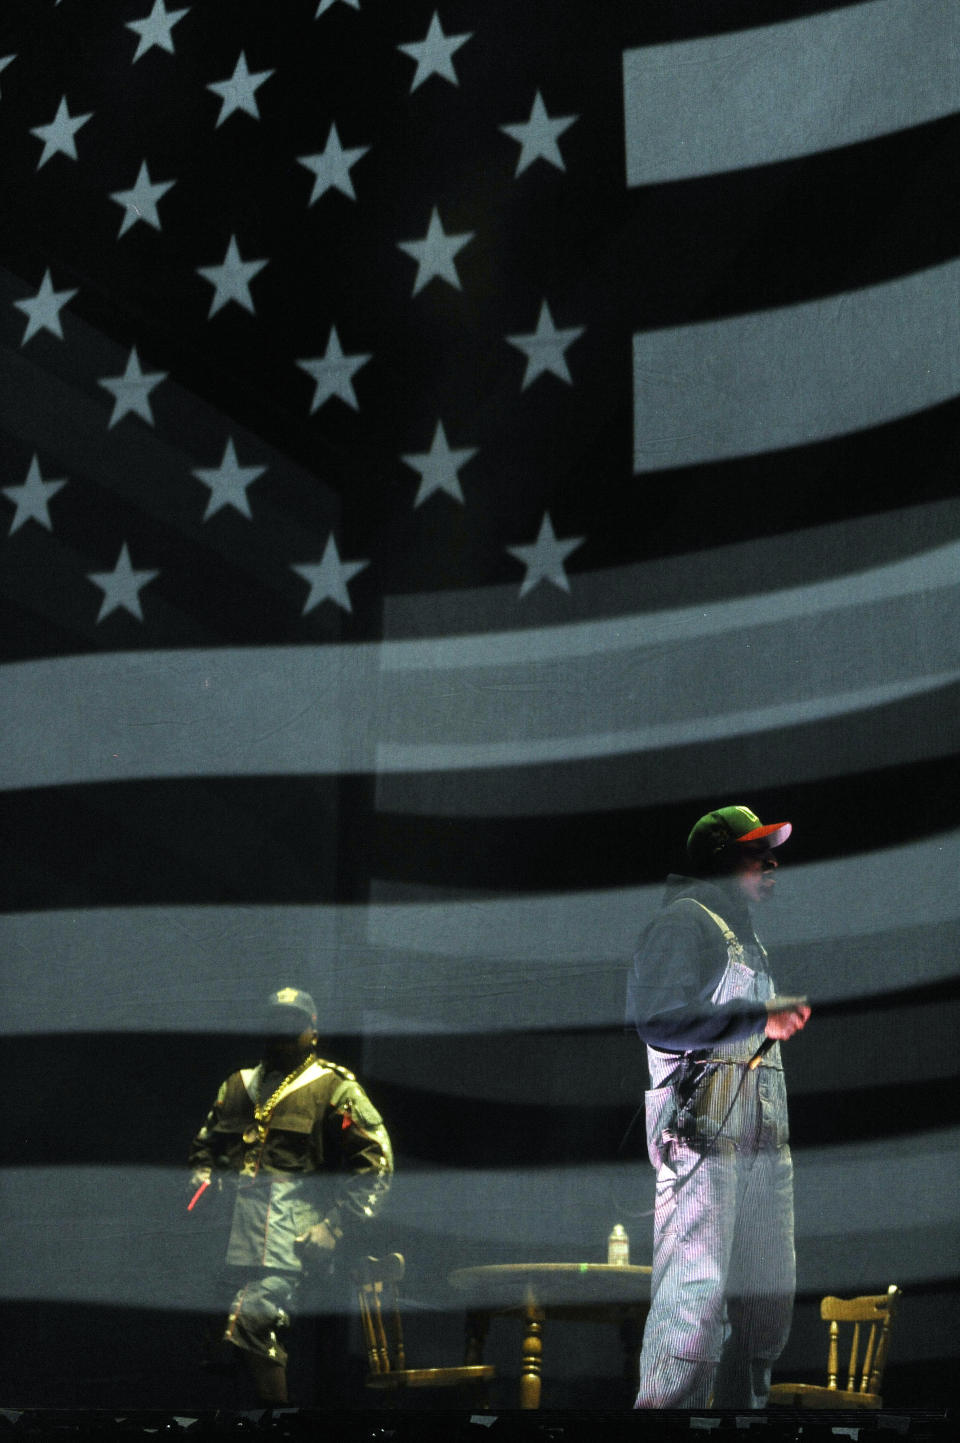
column 377, row 1281
column 865, row 1379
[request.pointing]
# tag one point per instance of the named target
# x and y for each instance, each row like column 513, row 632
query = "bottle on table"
column 618, row 1245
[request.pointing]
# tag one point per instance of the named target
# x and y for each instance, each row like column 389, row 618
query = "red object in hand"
column 198, row 1195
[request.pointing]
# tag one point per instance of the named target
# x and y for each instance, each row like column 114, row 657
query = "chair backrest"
column 864, row 1375
column 377, row 1280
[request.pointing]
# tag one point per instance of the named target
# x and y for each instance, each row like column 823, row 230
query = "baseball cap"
column 290, row 1008
column 714, row 833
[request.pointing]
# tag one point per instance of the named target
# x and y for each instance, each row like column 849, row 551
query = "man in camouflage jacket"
column 311, row 1159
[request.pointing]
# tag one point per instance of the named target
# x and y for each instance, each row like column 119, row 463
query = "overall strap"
column 734, row 945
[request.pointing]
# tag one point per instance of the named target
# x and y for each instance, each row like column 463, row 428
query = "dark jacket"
column 678, row 964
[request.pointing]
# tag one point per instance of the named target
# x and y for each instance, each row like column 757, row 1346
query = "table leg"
column 630, row 1339
column 531, row 1356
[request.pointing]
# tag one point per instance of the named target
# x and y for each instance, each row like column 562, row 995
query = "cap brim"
column 774, row 834
column 286, row 1019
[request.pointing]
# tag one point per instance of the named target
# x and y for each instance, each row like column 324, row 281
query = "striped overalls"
column 723, row 1261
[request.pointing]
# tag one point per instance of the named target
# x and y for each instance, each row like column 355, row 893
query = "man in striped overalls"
column 702, row 1000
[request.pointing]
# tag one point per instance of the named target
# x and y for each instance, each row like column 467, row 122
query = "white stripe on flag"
column 125, row 1245
column 699, row 728
column 768, row 380
column 752, row 97
column 589, row 689
column 451, row 964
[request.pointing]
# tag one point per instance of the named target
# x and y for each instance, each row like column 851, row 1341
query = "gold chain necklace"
column 263, row 1111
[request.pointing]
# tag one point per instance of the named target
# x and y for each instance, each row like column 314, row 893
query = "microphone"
column 776, row 1004
column 206, row 1183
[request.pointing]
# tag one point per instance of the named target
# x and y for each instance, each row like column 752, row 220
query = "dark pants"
column 262, row 1311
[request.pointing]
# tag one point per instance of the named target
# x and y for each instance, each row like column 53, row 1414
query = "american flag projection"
column 445, row 448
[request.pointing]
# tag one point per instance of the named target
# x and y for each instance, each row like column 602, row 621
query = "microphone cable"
column 709, row 1069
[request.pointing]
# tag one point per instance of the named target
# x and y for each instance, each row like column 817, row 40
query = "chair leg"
column 478, row 1325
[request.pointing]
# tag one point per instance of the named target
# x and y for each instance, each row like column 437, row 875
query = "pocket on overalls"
column 661, row 1112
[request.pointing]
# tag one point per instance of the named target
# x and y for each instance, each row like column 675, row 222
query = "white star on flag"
column 331, row 167
column 434, row 54
column 239, row 92
column 140, row 201
column 32, row 498
column 43, row 310
column 545, row 348
column 325, row 5
column 228, row 482
column 538, row 136
column 328, row 578
column 131, row 391
column 231, row 279
column 545, row 557
column 5, row 60
column 435, row 254
column 333, row 374
column 438, row 467
column 121, row 587
column 58, row 136
column 155, row 29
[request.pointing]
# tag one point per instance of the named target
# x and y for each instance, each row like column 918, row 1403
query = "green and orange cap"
column 716, row 834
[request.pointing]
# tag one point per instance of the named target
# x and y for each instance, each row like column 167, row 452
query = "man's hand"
column 198, row 1176
column 318, row 1237
column 785, row 1016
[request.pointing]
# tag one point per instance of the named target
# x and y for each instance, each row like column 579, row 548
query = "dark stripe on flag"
column 634, row 845
column 275, row 839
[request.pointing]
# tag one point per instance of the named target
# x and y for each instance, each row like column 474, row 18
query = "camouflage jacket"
column 321, row 1154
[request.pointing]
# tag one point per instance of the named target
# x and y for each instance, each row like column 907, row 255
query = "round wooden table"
column 579, row 1292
